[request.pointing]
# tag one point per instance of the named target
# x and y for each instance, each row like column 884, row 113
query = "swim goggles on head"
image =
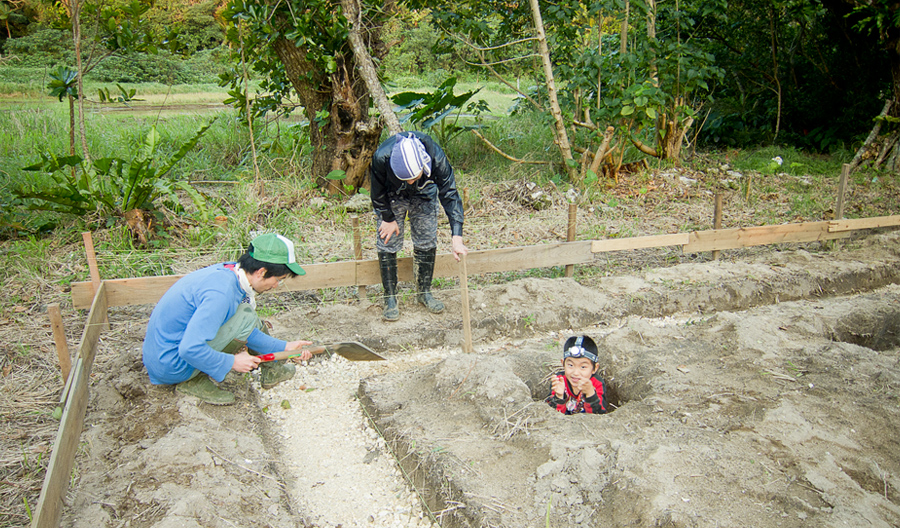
column 578, row 351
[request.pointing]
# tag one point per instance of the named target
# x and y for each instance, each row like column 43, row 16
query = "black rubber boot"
column 388, row 264
column 423, row 260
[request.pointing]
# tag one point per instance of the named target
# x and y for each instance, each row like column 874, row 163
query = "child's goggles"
column 577, row 352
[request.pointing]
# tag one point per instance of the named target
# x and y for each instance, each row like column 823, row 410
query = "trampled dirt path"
column 761, row 391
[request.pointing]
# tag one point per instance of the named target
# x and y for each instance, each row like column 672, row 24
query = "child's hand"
column 584, row 387
column 559, row 386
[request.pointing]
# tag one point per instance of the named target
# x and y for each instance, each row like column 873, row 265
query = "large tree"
column 645, row 91
column 322, row 51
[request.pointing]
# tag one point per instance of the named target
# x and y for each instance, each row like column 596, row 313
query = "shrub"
column 45, row 47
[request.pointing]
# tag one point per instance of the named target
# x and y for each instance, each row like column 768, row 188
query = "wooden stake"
column 839, row 207
column 717, row 221
column 92, row 266
column 59, row 337
column 570, row 235
column 842, row 191
column 357, row 252
column 92, row 259
column 464, row 291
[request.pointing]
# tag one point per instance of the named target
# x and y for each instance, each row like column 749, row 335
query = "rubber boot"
column 202, row 387
column 388, row 264
column 423, row 260
column 272, row 373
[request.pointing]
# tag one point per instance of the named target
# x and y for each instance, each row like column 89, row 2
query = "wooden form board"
column 719, row 239
column 62, row 458
column 863, row 223
column 148, row 290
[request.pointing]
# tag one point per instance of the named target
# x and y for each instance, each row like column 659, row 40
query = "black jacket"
column 386, row 185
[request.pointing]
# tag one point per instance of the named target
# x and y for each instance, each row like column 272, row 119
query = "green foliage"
column 43, row 48
column 413, row 55
column 194, row 23
column 125, row 96
column 112, row 186
column 432, row 110
column 318, row 28
column 163, row 68
column 825, row 88
column 63, row 83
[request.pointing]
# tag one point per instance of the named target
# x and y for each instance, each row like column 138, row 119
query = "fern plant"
column 111, row 187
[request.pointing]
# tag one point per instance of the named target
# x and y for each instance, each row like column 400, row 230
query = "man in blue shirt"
column 201, row 325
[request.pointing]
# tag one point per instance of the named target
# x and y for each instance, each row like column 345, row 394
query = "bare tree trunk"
column 775, row 74
column 651, row 37
column 873, row 135
column 257, row 183
column 349, row 137
column 72, row 126
column 76, row 35
column 562, row 139
column 623, row 37
column 366, row 67
column 603, row 150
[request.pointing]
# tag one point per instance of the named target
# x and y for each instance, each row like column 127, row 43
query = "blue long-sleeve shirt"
column 189, row 315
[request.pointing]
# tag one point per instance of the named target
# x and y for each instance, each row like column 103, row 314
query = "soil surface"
column 755, row 391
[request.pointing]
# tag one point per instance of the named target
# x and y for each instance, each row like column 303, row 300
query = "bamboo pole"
column 464, row 291
column 570, row 235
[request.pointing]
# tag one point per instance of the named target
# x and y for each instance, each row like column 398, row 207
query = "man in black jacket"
column 409, row 175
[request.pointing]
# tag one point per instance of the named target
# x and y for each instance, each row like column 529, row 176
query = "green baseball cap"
column 276, row 249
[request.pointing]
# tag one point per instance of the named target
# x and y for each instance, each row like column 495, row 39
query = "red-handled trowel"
column 351, row 350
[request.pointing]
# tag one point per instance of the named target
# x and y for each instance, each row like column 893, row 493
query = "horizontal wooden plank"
column 517, row 258
column 620, row 244
column 125, row 292
column 148, row 290
column 845, row 224
column 718, row 239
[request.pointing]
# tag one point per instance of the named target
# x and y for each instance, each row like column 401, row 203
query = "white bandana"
column 245, row 285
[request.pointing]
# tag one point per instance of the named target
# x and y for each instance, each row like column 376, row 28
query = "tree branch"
column 366, row 67
column 505, row 155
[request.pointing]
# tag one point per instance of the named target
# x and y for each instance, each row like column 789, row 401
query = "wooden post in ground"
column 59, row 337
column 92, row 267
column 839, row 206
column 357, row 253
column 842, row 192
column 570, row 235
column 464, row 299
column 717, row 221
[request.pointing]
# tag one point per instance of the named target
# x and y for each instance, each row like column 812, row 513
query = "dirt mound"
column 757, row 418
column 757, row 392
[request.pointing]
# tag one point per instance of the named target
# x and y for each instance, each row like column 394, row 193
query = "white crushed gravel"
column 342, row 471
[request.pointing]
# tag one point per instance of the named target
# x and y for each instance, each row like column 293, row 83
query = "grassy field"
column 221, row 168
